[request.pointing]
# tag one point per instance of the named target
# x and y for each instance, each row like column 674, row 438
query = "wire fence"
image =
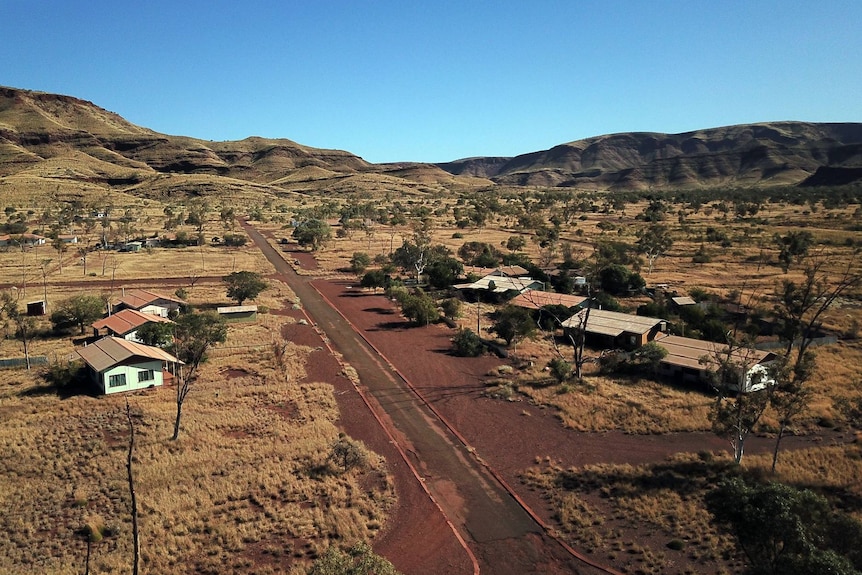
column 22, row 361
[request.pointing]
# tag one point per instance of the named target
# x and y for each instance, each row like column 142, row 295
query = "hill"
column 67, row 146
column 64, row 146
column 745, row 155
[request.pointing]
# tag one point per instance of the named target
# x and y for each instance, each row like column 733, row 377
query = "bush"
column 347, row 454
column 676, row 544
column 235, row 240
column 467, row 344
column 451, row 307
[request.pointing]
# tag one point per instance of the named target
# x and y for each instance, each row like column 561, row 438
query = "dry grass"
column 247, row 487
column 614, row 511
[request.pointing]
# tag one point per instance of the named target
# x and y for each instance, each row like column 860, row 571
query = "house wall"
column 154, row 309
column 131, row 372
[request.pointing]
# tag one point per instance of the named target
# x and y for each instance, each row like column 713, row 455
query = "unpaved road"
column 500, row 534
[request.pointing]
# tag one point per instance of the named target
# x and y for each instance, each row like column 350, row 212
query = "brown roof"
column 138, row 298
column 511, row 271
column 686, row 352
column 127, row 320
column 535, row 299
column 111, row 351
column 612, row 323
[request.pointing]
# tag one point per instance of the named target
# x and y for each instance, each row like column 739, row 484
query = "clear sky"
column 438, row 80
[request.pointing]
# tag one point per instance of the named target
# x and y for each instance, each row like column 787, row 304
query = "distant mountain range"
column 744, row 155
column 64, row 141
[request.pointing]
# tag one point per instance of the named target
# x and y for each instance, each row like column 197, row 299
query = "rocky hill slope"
column 48, row 139
column 62, row 143
column 745, row 155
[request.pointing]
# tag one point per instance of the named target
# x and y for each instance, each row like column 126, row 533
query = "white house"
column 148, row 302
column 117, row 365
column 125, row 323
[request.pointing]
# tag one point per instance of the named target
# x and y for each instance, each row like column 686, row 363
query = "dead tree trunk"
column 136, row 543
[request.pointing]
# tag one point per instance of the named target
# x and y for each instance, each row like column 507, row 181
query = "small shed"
column 238, row 312
column 35, row 308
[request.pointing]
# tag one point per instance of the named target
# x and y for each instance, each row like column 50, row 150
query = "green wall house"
column 118, row 365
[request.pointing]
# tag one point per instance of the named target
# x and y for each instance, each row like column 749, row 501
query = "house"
column 501, row 286
column 117, row 365
column 125, row 324
column 148, row 302
column 535, row 299
column 682, row 301
column 694, row 359
column 238, row 312
column 502, row 271
column 616, row 330
column 68, row 238
column 22, row 239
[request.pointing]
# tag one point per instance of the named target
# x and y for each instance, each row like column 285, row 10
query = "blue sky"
column 434, row 81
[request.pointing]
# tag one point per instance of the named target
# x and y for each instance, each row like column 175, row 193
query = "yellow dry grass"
column 247, row 487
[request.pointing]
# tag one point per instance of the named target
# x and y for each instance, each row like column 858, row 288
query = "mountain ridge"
column 786, row 152
column 43, row 135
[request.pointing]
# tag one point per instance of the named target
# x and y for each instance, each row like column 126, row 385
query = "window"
column 146, row 375
column 118, row 380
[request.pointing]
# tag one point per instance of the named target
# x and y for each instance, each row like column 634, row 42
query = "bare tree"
column 136, row 542
column 738, row 406
column 799, row 309
column 24, row 326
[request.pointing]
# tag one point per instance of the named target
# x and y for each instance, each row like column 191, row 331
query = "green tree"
column 465, row 343
column 194, row 334
column 312, row 233
column 560, row 369
column 513, row 323
column 451, row 307
column 650, row 355
column 77, row 311
column 654, row 242
column 375, row 279
column 155, row 333
column 359, row 262
column 792, row 247
column 244, row 285
column 786, row 531
column 443, row 271
column 419, row 307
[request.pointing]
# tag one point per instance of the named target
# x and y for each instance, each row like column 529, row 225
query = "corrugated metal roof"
column 612, row 323
column 237, row 309
column 127, row 320
column 683, row 300
column 111, row 351
column 502, row 284
column 511, row 271
column 138, row 298
column 535, row 299
column 686, row 352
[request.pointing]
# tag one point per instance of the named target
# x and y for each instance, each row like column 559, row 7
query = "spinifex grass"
column 245, row 474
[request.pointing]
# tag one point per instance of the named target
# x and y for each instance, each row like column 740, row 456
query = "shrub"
column 676, row 544
column 451, row 307
column 347, row 454
column 467, row 344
